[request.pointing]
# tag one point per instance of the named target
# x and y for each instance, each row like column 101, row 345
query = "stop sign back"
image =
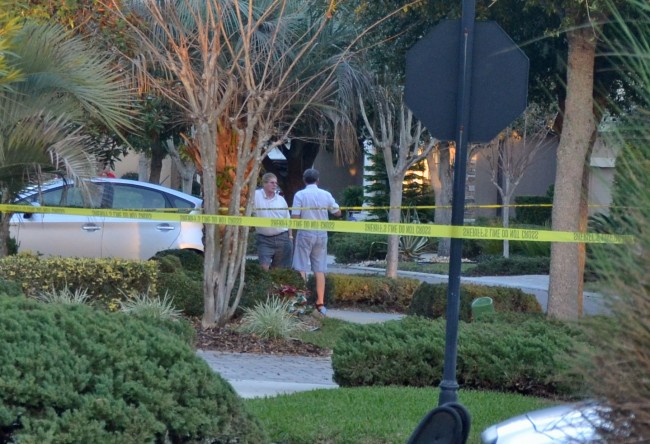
column 499, row 81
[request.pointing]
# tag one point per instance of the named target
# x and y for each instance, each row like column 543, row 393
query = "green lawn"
column 375, row 415
column 432, row 268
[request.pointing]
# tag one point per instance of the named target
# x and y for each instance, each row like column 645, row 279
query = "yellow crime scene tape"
column 404, row 229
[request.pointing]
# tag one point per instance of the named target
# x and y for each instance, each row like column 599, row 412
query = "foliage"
column 287, row 277
column 534, row 215
column 430, row 300
column 620, row 361
column 533, row 358
column 73, row 374
column 10, row 288
column 65, row 86
column 351, row 196
column 145, row 306
column 357, row 247
column 190, row 260
column 367, row 290
column 64, row 296
column 257, row 286
column 416, row 190
column 475, row 248
column 512, row 266
column 272, row 319
column 298, row 299
column 186, row 290
column 358, row 415
column 102, row 278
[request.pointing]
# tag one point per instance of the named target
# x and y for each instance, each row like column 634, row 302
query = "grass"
column 327, row 335
column 432, row 268
column 375, row 415
column 422, row 267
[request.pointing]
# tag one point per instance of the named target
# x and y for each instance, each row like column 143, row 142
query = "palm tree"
column 63, row 85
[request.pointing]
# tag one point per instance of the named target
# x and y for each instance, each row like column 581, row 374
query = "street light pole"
column 449, row 383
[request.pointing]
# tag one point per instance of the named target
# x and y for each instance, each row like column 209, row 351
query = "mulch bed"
column 228, row 339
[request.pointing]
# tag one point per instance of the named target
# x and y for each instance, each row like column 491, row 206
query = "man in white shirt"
column 312, row 203
column 274, row 245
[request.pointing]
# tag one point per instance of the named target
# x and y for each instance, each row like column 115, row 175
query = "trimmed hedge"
column 189, row 260
column 514, row 265
column 430, row 300
column 74, row 374
column 357, row 247
column 102, row 278
column 534, row 357
column 534, row 215
column 364, row 289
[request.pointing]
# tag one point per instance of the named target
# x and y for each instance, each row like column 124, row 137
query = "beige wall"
column 130, row 164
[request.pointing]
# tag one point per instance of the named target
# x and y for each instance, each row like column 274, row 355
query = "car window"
column 70, row 196
column 125, row 196
column 177, row 202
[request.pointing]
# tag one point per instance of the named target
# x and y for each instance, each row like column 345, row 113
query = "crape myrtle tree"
column 245, row 78
column 46, row 109
column 403, row 142
column 512, row 153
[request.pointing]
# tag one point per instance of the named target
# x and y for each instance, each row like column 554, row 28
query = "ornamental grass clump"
column 64, row 296
column 143, row 305
column 272, row 319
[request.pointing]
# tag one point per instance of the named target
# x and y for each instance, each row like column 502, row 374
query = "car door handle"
column 164, row 227
column 90, row 227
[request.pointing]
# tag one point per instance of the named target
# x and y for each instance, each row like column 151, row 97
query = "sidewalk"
column 260, row 375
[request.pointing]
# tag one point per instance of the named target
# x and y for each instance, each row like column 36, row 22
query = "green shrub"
column 185, row 290
column 74, row 374
column 350, row 248
column 286, row 276
column 10, row 288
column 189, row 260
column 534, row 357
column 531, row 249
column 258, row 286
column 534, row 215
column 104, row 279
column 364, row 289
column 430, row 300
column 512, row 266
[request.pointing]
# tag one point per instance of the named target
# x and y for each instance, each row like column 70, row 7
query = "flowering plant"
column 297, row 298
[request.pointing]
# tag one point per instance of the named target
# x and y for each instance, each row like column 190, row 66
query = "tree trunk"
column 506, row 223
column 440, row 176
column 564, row 294
column 4, row 233
column 394, row 216
column 158, row 153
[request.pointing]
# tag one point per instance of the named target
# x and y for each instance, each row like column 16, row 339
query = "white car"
column 563, row 424
column 99, row 236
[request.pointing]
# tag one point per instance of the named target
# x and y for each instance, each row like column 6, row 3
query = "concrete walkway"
column 259, row 375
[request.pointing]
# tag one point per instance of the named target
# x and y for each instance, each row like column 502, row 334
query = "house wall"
column 535, row 181
column 131, row 164
column 335, row 177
